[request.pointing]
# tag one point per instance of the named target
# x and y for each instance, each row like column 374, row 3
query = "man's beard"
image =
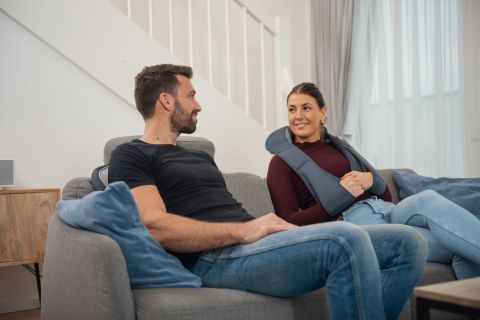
column 181, row 121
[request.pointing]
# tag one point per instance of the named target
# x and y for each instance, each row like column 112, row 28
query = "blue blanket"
column 463, row 191
column 113, row 212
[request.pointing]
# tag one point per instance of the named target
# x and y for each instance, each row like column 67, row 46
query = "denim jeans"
column 369, row 271
column 452, row 233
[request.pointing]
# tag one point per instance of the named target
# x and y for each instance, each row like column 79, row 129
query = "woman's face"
column 304, row 117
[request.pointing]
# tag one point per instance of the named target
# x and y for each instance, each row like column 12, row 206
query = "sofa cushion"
column 113, row 212
column 212, row 304
column 99, row 178
column 463, row 191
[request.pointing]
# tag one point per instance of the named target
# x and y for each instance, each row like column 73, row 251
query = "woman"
column 325, row 180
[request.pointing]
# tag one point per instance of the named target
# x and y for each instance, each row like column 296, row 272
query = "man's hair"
column 154, row 80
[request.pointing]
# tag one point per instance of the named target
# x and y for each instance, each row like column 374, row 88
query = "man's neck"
column 158, row 134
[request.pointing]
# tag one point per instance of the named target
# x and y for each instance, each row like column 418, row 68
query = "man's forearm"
column 181, row 234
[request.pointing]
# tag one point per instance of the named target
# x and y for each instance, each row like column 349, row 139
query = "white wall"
column 66, row 85
column 298, row 11
column 54, row 120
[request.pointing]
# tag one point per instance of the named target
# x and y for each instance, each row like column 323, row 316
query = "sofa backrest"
column 392, row 186
column 249, row 189
column 184, row 141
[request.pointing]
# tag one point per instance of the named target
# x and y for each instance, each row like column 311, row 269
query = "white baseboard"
column 18, row 304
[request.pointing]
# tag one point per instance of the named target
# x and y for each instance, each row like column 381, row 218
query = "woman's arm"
column 365, row 180
column 281, row 184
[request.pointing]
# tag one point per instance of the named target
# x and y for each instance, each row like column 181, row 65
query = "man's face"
column 184, row 116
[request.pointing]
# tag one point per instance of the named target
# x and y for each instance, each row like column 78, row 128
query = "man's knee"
column 402, row 237
column 348, row 235
column 413, row 239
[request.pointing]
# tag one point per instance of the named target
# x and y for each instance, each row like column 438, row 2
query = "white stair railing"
column 246, row 63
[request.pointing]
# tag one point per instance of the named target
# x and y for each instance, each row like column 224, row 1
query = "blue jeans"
column 452, row 233
column 369, row 271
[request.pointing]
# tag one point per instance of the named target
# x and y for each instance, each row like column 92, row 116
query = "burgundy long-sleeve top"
column 290, row 196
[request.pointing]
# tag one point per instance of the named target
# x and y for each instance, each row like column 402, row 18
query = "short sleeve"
column 130, row 165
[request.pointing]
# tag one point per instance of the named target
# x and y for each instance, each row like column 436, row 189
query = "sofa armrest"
column 77, row 188
column 84, row 276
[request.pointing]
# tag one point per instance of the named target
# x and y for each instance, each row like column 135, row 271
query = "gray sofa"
column 85, row 276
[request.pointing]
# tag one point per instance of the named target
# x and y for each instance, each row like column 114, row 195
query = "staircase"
column 241, row 100
column 240, row 54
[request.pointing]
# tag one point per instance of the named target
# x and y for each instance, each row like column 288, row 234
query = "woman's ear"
column 324, row 112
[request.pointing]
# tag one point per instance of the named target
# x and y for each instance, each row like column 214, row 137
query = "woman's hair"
column 312, row 90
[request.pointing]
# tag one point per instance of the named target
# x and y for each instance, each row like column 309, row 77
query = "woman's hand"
column 357, row 182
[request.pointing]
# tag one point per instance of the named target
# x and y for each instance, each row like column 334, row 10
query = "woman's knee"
column 427, row 203
column 428, row 195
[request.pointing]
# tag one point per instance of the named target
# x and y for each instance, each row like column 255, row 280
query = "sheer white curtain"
column 406, row 94
column 332, row 38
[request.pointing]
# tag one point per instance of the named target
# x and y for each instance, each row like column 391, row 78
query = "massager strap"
column 324, row 187
column 378, row 187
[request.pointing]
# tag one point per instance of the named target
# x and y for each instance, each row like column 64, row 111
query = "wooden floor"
column 21, row 315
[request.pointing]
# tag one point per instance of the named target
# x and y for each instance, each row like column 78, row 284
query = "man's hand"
column 256, row 229
column 357, row 182
column 182, row 234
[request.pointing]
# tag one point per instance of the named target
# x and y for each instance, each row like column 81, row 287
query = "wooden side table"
column 462, row 296
column 24, row 216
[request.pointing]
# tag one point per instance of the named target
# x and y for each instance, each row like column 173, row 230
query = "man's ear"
column 166, row 101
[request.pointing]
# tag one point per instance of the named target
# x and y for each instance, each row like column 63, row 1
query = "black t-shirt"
column 188, row 181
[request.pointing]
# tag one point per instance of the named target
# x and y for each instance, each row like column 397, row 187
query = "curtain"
column 332, row 38
column 470, row 17
column 406, row 93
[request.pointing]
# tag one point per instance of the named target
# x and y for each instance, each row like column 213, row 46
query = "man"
column 183, row 201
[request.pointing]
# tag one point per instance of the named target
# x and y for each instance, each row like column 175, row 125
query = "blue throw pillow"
column 463, row 191
column 113, row 212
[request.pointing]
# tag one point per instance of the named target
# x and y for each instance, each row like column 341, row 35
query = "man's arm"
column 181, row 234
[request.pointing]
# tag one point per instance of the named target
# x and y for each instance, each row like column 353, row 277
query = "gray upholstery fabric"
column 84, row 276
column 185, row 141
column 388, row 177
column 209, row 303
column 251, row 191
column 77, row 188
